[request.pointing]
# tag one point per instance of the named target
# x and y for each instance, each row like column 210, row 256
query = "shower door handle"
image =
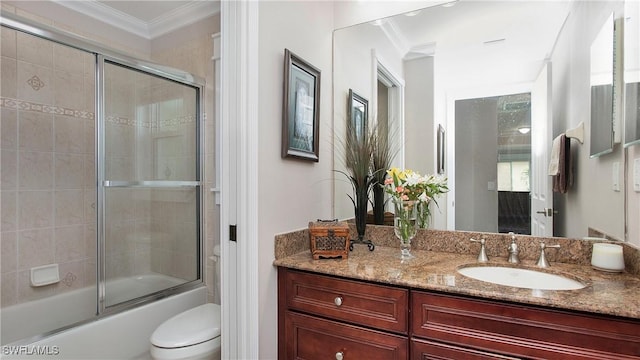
column 150, row 184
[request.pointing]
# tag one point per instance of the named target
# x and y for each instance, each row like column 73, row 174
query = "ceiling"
column 508, row 40
column 526, row 28
column 145, row 18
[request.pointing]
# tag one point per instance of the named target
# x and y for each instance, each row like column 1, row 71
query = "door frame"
column 381, row 71
column 541, row 138
column 239, row 200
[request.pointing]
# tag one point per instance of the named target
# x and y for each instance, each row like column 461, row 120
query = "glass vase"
column 423, row 214
column 404, row 225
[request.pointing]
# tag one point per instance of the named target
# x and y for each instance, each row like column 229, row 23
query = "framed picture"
column 440, row 149
column 358, row 113
column 301, row 109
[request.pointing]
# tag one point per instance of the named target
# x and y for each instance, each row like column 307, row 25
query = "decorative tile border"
column 16, row 104
column 121, row 120
column 180, row 120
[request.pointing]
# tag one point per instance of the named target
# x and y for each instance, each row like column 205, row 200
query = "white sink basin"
column 522, row 278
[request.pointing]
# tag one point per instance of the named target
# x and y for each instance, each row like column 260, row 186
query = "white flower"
column 413, row 179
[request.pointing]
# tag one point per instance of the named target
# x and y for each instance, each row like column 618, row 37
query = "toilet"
column 192, row 334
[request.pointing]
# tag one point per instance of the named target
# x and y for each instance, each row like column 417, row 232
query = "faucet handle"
column 482, row 257
column 542, row 261
column 513, row 250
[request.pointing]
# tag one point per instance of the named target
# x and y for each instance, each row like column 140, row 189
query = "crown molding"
column 395, row 36
column 185, row 15
column 420, row 51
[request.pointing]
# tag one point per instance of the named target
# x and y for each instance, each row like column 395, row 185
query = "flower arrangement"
column 408, row 185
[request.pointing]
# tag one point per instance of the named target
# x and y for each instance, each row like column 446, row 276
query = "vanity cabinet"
column 326, row 317
column 521, row 331
column 323, row 317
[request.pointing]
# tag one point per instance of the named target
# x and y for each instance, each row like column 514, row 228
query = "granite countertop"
column 615, row 294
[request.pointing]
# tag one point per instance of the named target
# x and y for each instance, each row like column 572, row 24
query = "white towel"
column 554, row 162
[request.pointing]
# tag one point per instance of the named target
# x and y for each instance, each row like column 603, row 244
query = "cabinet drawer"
column 523, row 330
column 427, row 350
column 372, row 305
column 309, row 337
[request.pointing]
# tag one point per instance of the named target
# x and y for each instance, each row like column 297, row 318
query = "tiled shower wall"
column 48, row 177
column 192, row 50
column 55, row 242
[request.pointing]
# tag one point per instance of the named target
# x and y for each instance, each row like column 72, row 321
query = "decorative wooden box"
column 329, row 239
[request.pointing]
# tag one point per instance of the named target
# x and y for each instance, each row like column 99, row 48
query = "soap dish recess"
column 45, row 275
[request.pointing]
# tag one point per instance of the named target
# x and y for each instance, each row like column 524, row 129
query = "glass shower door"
column 150, row 184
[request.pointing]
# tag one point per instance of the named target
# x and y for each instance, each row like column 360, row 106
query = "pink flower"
column 399, row 189
column 388, row 181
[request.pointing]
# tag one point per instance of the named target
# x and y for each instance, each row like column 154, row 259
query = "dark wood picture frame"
column 301, row 109
column 358, row 113
column 441, row 148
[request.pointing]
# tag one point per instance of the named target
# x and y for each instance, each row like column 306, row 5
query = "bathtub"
column 120, row 336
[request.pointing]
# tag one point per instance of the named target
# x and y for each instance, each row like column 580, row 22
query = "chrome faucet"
column 542, row 261
column 482, row 256
column 513, row 250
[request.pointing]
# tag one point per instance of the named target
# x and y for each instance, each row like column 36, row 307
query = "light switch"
column 636, row 175
column 616, row 176
column 491, row 186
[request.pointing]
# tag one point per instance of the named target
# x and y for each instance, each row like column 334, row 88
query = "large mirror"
column 631, row 73
column 503, row 78
column 602, row 87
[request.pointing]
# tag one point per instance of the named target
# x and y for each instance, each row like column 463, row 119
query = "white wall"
column 582, row 207
column 291, row 192
column 418, row 112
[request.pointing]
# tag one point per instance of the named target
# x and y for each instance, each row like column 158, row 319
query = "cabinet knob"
column 339, row 354
column 338, row 302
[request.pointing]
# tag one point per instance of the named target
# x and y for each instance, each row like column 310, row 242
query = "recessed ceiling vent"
column 494, row 41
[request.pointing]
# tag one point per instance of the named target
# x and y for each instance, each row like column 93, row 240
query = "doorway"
column 493, row 160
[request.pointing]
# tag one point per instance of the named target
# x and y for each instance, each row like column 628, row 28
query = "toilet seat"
column 209, row 350
column 192, row 327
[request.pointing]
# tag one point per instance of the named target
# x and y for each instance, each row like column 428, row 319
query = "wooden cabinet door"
column 308, row 337
column 429, row 350
column 520, row 330
column 378, row 306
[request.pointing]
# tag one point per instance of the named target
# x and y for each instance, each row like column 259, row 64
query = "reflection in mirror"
column 496, row 130
column 358, row 113
column 440, row 57
column 631, row 73
column 602, row 90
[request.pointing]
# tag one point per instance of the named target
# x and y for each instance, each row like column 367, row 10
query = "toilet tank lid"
column 190, row 327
